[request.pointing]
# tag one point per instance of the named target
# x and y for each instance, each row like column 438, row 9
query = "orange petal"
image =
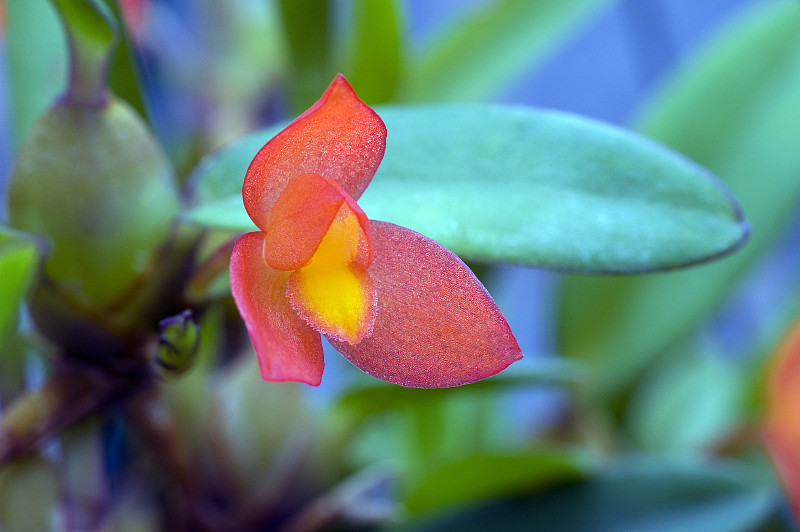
column 782, row 424
column 333, row 291
column 287, row 348
column 786, row 457
column 338, row 137
column 303, row 215
column 436, row 326
column 783, row 400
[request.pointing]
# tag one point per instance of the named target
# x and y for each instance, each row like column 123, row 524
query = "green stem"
column 91, row 35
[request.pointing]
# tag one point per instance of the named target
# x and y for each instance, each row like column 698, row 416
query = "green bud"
column 178, row 342
column 93, row 182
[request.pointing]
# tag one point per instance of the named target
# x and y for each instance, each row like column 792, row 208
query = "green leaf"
column 365, row 401
column 488, row 476
column 484, row 50
column 123, row 75
column 733, row 109
column 37, row 58
column 92, row 33
column 692, row 400
column 643, row 495
column 305, row 23
column 376, row 50
column 18, row 259
column 525, row 186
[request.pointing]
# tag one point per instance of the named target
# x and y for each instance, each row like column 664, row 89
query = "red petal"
column 287, row 348
column 302, row 216
column 436, row 326
column 339, row 137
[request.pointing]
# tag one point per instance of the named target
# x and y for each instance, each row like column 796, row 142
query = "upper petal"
column 287, row 348
column 339, row 137
column 301, row 217
column 319, row 232
column 436, row 325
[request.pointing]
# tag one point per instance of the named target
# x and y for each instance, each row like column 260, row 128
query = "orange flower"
column 782, row 425
column 395, row 303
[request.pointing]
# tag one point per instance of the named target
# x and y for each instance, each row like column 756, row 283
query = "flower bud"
column 94, row 184
column 178, row 342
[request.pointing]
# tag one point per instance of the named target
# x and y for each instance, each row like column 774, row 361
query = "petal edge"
column 286, row 347
column 339, row 137
column 436, row 325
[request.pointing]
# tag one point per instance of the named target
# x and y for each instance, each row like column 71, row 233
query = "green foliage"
column 375, row 61
column 732, row 109
column 483, row 50
column 645, row 425
column 19, row 257
column 465, row 481
column 548, row 189
column 640, row 495
column 36, row 58
column 369, row 49
column 689, row 402
column 307, row 36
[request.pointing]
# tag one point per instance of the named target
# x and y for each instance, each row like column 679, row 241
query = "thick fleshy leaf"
column 534, row 187
column 304, row 214
column 436, row 326
column 338, row 137
column 734, row 109
column 287, row 348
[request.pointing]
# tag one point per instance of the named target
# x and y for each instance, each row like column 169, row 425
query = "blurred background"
column 659, row 375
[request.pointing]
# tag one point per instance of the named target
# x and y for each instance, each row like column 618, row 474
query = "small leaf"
column 526, row 186
column 18, row 259
column 488, row 476
column 482, row 51
column 653, row 495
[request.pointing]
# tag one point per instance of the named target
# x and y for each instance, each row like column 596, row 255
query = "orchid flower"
column 395, row 303
column 781, row 431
